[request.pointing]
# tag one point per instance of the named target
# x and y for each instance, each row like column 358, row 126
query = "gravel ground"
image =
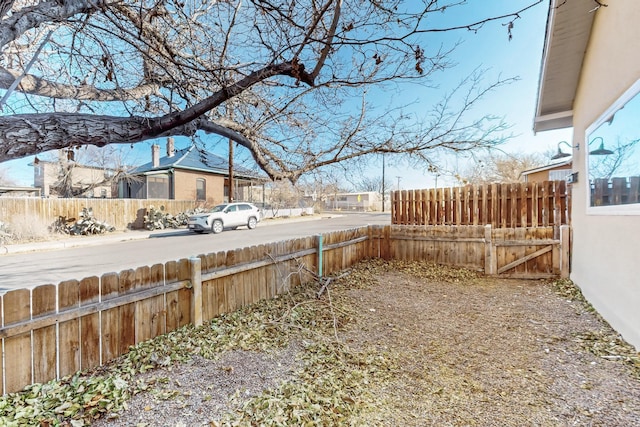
column 469, row 351
column 199, row 392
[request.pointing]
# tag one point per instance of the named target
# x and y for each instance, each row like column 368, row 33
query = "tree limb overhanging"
column 128, row 71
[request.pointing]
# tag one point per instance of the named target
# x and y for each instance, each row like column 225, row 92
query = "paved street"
column 111, row 254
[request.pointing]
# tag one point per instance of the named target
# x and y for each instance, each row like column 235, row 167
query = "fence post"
column 490, row 260
column 196, row 295
column 319, row 255
column 565, row 251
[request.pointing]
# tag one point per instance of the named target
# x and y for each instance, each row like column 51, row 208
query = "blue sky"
column 489, row 49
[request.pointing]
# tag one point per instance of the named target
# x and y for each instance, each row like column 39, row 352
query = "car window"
column 218, row 208
column 232, row 208
column 244, row 207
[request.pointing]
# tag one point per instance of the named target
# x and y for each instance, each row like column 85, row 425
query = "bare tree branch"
column 291, row 71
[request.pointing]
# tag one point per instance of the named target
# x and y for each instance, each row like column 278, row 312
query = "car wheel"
column 251, row 224
column 217, row 226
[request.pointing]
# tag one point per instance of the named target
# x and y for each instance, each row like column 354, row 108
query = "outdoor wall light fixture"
column 560, row 154
column 600, row 151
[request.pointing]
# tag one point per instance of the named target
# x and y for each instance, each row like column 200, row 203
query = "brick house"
column 188, row 174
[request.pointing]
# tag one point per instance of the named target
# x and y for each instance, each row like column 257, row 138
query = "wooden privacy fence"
column 120, row 213
column 617, row 191
column 527, row 204
column 527, row 253
column 52, row 331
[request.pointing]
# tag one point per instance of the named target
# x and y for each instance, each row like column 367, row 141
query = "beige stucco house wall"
column 606, row 248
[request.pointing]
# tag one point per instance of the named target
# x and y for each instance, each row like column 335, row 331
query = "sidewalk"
column 63, row 241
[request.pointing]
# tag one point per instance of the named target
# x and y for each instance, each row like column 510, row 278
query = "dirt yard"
column 390, row 344
column 434, row 346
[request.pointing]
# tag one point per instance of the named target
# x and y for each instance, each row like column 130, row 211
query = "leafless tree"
column 109, row 164
column 498, row 167
column 622, row 162
column 369, row 184
column 279, row 78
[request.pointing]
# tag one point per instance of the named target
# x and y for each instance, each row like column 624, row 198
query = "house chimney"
column 155, row 155
column 171, row 149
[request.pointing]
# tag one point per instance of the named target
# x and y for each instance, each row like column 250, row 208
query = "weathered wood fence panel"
column 120, row 213
column 96, row 319
column 501, row 205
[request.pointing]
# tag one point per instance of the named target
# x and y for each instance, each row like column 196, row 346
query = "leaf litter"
column 390, row 343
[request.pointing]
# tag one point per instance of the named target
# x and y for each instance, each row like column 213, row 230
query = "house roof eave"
column 567, row 34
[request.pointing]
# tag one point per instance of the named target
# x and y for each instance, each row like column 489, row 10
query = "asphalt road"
column 28, row 270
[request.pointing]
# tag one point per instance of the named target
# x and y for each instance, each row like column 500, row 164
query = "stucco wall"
column 605, row 255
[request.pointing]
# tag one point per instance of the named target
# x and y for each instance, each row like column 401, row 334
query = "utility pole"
column 231, row 189
column 383, row 189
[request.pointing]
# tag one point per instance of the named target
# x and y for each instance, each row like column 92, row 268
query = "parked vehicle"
column 227, row 215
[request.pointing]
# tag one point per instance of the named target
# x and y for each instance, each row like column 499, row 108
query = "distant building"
column 188, row 174
column 558, row 171
column 84, row 181
column 11, row 191
column 364, row 201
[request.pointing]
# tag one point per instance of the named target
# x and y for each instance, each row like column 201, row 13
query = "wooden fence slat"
column 69, row 331
column 110, row 326
column 128, row 283
column 43, row 301
column 535, row 205
column 90, row 324
column 184, row 295
column 17, row 349
column 209, row 298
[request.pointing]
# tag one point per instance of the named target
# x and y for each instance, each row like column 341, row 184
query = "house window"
column 201, row 189
column 613, row 157
column 158, row 187
column 559, row 174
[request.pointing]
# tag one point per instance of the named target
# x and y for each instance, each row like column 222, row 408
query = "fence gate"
column 534, row 252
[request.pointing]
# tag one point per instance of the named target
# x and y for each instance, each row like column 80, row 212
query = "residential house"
column 551, row 172
column 590, row 80
column 56, row 177
column 188, row 174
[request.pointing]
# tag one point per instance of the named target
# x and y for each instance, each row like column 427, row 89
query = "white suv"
column 228, row 215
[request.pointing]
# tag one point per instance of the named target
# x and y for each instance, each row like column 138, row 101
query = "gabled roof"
column 568, row 30
column 195, row 159
column 566, row 162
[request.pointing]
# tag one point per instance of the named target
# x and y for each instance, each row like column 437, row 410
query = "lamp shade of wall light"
column 561, row 154
column 600, row 151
